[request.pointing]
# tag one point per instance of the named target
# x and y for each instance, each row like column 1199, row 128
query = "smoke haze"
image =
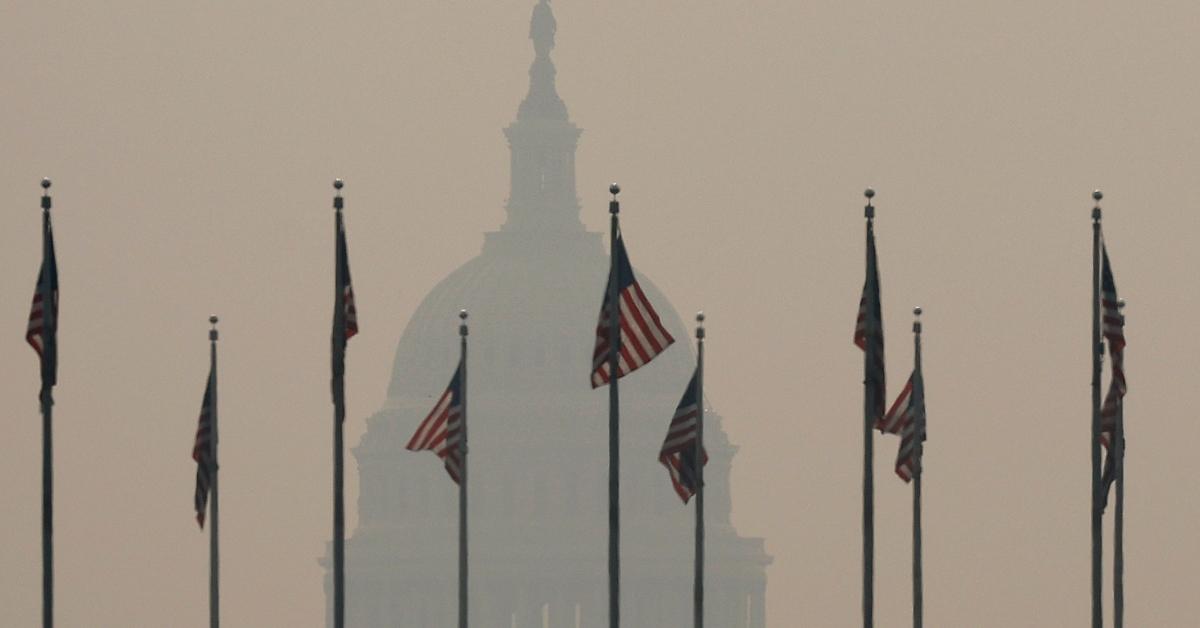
column 192, row 148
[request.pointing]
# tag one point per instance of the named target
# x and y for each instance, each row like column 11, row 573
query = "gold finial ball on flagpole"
column 869, row 193
column 1097, row 195
column 917, row 311
column 213, row 319
column 337, row 184
column 462, row 314
column 46, row 194
column 614, row 189
column 700, row 317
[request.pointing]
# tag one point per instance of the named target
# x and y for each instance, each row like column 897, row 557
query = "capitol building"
column 538, row 434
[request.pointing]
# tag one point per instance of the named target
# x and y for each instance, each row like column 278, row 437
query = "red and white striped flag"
column 907, row 418
column 42, row 331
column 349, row 314
column 345, row 316
column 1114, row 322
column 441, row 431
column 868, row 335
column 204, row 452
column 678, row 452
column 1114, row 332
column 898, row 415
column 1113, row 327
column 642, row 336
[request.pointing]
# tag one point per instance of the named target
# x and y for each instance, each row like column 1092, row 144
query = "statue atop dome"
column 542, row 101
column 541, row 28
column 542, row 141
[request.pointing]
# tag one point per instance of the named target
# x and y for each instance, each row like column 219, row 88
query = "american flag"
column 678, row 452
column 868, row 335
column 42, row 331
column 1114, row 323
column 204, row 452
column 907, row 418
column 349, row 315
column 1114, row 397
column 1114, row 332
column 898, row 415
column 441, row 431
column 1109, row 475
column 642, row 334
column 345, row 317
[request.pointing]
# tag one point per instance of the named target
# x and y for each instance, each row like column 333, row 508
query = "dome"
column 538, row 433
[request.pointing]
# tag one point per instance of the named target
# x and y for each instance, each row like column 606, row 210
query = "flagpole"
column 868, row 524
column 614, row 421
column 918, row 584
column 462, row 484
column 1097, row 538
column 339, row 415
column 698, row 611
column 1118, row 449
column 47, row 403
column 214, row 554
column 1119, row 523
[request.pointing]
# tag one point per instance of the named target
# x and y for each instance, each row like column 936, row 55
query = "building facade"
column 538, row 434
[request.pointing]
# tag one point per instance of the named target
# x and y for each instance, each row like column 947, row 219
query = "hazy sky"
column 192, row 147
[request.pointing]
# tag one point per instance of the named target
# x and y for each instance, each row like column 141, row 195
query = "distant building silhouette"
column 538, row 433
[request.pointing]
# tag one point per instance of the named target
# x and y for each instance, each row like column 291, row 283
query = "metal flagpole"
column 614, row 421
column 339, row 415
column 214, row 555
column 868, row 600
column 1097, row 538
column 1118, row 450
column 462, row 484
column 698, row 612
column 919, row 445
column 49, row 326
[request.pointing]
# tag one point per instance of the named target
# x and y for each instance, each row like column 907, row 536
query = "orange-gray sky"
column 192, row 147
